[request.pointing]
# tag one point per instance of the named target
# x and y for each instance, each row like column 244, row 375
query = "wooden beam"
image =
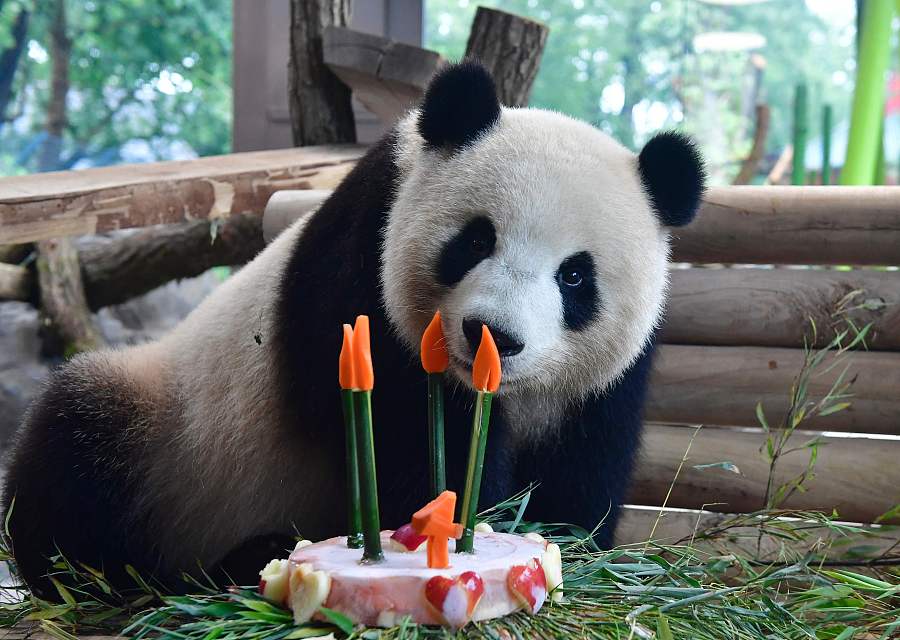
column 388, row 77
column 857, row 476
column 773, row 307
column 794, row 225
column 722, row 386
column 679, row 526
column 49, row 205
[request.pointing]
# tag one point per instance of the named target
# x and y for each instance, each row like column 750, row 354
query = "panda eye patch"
column 472, row 244
column 578, row 288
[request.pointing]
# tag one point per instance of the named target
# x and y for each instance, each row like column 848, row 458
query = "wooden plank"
column 388, row 77
column 672, row 526
column 773, row 307
column 722, row 385
column 859, row 477
column 794, row 225
column 95, row 200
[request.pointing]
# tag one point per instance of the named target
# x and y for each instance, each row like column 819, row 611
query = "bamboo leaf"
column 338, row 619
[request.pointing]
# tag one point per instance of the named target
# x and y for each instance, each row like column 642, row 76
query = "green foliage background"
column 158, row 71
column 646, row 47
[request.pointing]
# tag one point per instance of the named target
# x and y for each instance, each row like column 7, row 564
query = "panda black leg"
column 68, row 484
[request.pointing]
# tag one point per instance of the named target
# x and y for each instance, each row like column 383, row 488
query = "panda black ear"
column 672, row 172
column 459, row 105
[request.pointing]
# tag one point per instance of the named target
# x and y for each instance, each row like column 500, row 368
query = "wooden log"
column 859, row 477
column 679, row 526
column 49, row 205
column 773, row 307
column 319, row 103
column 722, row 386
column 123, row 268
column 510, row 46
column 794, row 225
column 67, row 325
column 16, row 283
column 388, row 77
column 15, row 253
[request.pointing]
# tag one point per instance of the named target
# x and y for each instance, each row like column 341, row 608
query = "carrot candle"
column 486, row 380
column 345, row 377
column 435, row 360
column 364, row 382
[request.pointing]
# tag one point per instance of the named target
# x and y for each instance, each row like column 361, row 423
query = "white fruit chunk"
column 483, row 527
column 531, row 535
column 273, row 581
column 309, row 590
column 302, row 543
column 552, row 563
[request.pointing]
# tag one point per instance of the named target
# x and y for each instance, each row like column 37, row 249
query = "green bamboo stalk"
column 354, row 515
column 437, row 467
column 368, row 483
column 868, row 97
column 798, row 175
column 477, row 446
column 880, row 166
column 826, row 144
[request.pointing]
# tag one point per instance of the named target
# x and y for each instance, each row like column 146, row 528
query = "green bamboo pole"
column 354, row 516
column 868, row 97
column 826, row 144
column 437, row 466
column 880, row 168
column 474, row 470
column 798, row 175
column 368, row 484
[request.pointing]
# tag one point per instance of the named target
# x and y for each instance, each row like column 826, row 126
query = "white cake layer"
column 382, row 594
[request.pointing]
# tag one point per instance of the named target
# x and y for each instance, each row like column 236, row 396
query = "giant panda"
column 216, row 443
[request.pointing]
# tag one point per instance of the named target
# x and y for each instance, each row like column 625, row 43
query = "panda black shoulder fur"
column 226, row 434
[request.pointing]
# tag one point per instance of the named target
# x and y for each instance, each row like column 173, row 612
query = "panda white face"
column 540, row 229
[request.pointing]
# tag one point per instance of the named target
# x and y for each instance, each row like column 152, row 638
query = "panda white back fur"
column 216, row 443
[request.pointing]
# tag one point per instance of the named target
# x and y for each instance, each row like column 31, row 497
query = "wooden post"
column 510, row 47
column 68, row 326
column 751, row 163
column 798, row 175
column 319, row 103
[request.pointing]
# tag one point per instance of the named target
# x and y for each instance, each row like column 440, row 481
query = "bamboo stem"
column 437, row 466
column 798, row 175
column 474, row 471
column 868, row 97
column 354, row 515
column 368, row 484
column 826, row 144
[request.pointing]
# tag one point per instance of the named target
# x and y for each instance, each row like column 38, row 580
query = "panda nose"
column 507, row 345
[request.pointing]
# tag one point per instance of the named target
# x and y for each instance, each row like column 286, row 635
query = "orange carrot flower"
column 345, row 361
column 364, row 375
column 434, row 348
column 486, row 369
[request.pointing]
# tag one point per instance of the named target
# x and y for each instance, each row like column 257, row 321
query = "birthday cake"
column 379, row 578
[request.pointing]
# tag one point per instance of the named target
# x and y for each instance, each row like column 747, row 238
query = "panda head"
column 537, row 225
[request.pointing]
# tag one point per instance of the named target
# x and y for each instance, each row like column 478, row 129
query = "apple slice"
column 483, row 527
column 406, row 539
column 308, row 591
column 552, row 563
column 455, row 600
column 273, row 581
column 528, row 584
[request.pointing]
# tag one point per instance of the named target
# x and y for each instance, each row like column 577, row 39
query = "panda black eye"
column 481, row 247
column 571, row 277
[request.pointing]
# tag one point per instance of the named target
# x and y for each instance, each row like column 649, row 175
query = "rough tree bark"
column 67, row 325
column 510, row 47
column 60, row 52
column 320, row 107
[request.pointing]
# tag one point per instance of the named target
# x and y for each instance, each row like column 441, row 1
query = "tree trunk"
column 320, row 107
column 60, row 52
column 510, row 47
column 67, row 325
column 9, row 61
column 751, row 163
